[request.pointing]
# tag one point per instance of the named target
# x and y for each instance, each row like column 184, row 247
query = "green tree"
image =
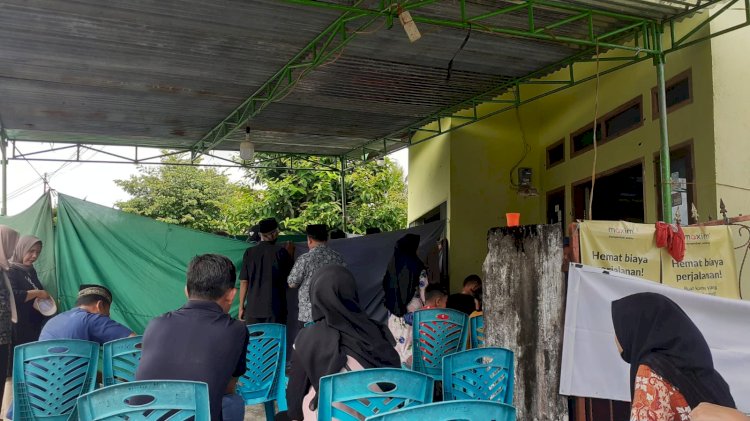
column 376, row 195
column 205, row 199
column 179, row 194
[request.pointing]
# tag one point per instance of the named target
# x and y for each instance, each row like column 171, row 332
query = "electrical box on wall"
column 524, row 177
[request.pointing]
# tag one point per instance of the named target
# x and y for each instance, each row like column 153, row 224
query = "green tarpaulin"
column 37, row 221
column 141, row 260
column 144, row 261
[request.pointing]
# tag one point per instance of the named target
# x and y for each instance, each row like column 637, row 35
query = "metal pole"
column 343, row 194
column 3, row 147
column 664, row 162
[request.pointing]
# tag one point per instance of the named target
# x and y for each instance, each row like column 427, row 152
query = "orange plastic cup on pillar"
column 513, row 219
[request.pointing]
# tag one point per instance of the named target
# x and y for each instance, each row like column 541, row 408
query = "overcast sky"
column 92, row 182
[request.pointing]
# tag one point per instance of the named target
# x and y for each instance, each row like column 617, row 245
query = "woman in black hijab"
column 341, row 332
column 401, row 280
column 668, row 356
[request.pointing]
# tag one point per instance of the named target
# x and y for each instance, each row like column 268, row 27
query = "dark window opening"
column 585, row 139
column 679, row 92
column 556, row 153
column 439, row 213
column 625, row 120
column 617, row 196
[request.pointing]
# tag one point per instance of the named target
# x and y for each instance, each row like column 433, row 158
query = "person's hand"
column 241, row 315
column 40, row 293
column 710, row 412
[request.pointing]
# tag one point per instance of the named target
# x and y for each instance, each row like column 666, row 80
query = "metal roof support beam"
column 475, row 113
column 664, row 155
column 18, row 155
column 477, row 109
column 4, row 157
column 689, row 38
column 639, row 28
column 330, row 41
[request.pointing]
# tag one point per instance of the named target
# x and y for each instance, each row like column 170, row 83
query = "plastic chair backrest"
column 477, row 331
column 49, row 376
column 264, row 380
column 452, row 411
column 121, row 359
column 354, row 395
column 479, row 374
column 437, row 333
column 147, row 400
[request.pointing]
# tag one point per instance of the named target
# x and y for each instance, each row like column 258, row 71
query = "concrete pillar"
column 524, row 297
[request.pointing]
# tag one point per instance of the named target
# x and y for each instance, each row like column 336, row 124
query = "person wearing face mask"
column 26, row 290
column 671, row 367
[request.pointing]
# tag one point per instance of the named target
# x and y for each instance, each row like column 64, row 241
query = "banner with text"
column 709, row 265
column 622, row 247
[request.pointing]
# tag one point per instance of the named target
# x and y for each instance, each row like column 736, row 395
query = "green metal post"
column 3, row 147
column 343, row 194
column 664, row 162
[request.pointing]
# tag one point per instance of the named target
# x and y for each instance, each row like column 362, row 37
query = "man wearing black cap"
column 307, row 264
column 88, row 321
column 263, row 278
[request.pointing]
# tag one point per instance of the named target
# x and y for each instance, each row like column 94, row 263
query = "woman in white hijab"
column 8, row 240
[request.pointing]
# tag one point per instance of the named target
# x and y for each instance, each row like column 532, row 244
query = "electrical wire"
column 524, row 154
column 596, row 115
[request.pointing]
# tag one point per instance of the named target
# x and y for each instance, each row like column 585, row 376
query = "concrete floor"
column 255, row 413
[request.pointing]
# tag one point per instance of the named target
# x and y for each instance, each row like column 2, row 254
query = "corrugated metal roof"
column 163, row 73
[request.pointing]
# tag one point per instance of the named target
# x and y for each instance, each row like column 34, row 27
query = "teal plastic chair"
column 452, row 411
column 437, row 333
column 121, row 359
column 355, row 395
column 477, row 331
column 479, row 374
column 147, row 400
column 49, row 376
column 265, row 379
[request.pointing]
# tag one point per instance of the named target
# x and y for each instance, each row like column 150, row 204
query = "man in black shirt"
column 200, row 341
column 265, row 268
column 468, row 300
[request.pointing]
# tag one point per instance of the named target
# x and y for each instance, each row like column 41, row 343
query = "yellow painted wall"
column 429, row 179
column 482, row 154
column 564, row 113
column 731, row 59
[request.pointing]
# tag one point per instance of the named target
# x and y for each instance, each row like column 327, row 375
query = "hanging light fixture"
column 247, row 149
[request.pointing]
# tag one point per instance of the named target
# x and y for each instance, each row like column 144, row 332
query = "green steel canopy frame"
column 634, row 38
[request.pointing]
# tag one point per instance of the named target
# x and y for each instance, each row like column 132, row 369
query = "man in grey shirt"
column 306, row 266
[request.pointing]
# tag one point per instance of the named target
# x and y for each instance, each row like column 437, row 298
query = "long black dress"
column 30, row 321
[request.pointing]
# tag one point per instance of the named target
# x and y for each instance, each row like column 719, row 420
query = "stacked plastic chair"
column 437, row 333
column 479, row 374
column 354, row 395
column 149, row 400
column 452, row 411
column 121, row 359
column 477, row 331
column 265, row 379
column 49, row 376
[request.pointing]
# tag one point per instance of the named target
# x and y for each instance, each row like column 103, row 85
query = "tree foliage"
column 178, row 193
column 206, row 199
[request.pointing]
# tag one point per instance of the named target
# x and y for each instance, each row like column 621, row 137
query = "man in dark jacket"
column 263, row 278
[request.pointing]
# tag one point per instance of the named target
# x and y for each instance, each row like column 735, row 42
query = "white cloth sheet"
column 591, row 366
